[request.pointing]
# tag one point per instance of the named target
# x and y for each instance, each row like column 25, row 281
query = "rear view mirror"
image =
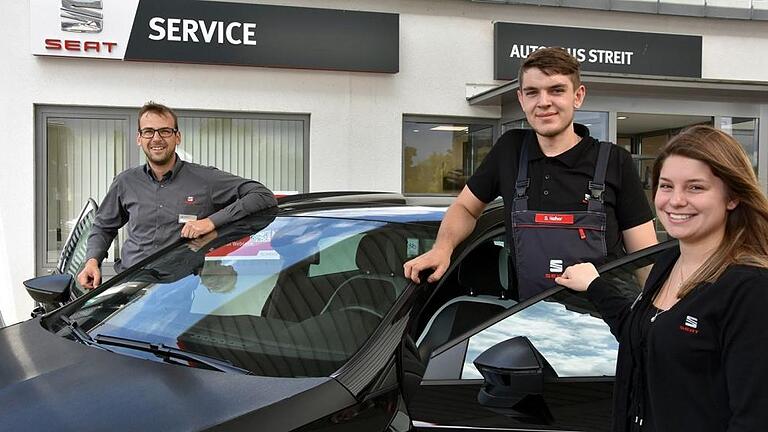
column 49, row 289
column 513, row 374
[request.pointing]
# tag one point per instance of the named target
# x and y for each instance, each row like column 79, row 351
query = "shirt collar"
column 170, row 175
column 571, row 156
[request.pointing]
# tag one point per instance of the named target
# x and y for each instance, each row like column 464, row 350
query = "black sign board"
column 210, row 32
column 620, row 52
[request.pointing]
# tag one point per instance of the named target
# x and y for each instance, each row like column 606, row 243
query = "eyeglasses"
column 163, row 132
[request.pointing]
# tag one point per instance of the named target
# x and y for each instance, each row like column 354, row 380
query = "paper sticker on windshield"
column 412, row 248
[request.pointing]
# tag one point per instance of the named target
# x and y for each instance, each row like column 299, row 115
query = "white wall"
column 355, row 118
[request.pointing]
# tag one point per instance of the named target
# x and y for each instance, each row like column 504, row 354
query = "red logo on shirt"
column 688, row 330
column 190, row 200
column 550, row 218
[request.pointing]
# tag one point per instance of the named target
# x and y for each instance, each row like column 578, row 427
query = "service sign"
column 619, row 52
column 211, row 32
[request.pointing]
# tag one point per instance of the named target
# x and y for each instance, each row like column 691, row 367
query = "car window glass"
column 565, row 327
column 250, row 299
column 336, row 255
column 74, row 251
column 474, row 292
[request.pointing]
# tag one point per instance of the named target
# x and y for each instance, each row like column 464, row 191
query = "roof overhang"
column 685, row 88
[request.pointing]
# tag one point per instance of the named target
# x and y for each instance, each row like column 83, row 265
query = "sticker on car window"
column 412, row 248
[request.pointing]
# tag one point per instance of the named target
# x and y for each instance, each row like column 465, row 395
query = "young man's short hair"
column 552, row 61
column 158, row 109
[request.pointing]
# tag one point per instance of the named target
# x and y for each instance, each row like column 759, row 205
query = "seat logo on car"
column 82, row 16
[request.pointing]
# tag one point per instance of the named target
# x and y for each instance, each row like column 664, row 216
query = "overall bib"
column 545, row 243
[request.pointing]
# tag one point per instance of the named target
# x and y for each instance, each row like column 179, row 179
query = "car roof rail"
column 318, row 195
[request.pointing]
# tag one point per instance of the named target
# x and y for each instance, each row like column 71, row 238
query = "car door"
column 565, row 330
column 72, row 255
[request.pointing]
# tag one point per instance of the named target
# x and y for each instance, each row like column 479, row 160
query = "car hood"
column 51, row 383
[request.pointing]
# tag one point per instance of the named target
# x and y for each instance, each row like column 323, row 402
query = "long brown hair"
column 746, row 227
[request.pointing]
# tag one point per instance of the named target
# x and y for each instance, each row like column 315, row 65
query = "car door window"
column 72, row 258
column 474, row 292
column 573, row 338
column 565, row 327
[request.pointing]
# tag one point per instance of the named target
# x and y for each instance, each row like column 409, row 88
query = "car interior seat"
column 483, row 276
column 294, row 297
column 379, row 258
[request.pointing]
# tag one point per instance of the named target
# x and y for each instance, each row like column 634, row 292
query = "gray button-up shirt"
column 152, row 209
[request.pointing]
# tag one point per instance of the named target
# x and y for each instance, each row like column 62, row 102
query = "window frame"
column 42, row 114
column 414, row 118
column 131, row 153
column 460, row 342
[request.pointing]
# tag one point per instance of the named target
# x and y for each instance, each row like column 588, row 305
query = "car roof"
column 383, row 206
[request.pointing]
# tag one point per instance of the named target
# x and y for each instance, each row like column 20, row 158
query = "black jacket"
column 707, row 359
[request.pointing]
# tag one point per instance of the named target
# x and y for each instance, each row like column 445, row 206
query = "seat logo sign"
column 82, row 16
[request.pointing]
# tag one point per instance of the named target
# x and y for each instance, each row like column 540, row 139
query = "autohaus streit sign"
column 210, row 32
column 620, row 52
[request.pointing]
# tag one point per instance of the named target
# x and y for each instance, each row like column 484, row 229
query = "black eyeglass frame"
column 165, row 132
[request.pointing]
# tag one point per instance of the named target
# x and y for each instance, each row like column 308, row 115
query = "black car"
column 300, row 319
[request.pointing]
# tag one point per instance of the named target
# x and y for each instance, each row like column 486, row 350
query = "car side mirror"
column 49, row 289
column 512, row 370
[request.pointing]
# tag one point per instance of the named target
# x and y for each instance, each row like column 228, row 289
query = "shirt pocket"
column 195, row 204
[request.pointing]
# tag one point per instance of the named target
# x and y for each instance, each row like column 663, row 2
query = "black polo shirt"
column 560, row 183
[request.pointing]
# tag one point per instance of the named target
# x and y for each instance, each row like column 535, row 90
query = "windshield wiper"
column 168, row 353
column 81, row 335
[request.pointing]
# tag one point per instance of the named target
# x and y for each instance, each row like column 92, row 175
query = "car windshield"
column 285, row 296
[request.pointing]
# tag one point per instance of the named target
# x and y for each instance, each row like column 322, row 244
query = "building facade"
column 415, row 113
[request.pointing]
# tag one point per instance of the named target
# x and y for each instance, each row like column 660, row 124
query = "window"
column 745, row 131
column 337, row 254
column 84, row 153
column 574, row 340
column 440, row 155
column 246, row 296
column 269, row 150
column 596, row 121
column 80, row 150
column 565, row 327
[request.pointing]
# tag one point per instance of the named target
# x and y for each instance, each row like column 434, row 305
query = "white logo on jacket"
column 691, row 322
column 556, row 266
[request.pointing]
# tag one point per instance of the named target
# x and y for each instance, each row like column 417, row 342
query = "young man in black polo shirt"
column 562, row 188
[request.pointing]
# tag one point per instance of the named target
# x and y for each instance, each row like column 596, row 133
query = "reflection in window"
column 438, row 158
column 575, row 343
column 566, row 328
column 249, row 297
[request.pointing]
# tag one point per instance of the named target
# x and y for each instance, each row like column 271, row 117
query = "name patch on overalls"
column 549, row 218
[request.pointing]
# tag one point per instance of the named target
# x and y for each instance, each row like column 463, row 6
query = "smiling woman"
column 703, row 302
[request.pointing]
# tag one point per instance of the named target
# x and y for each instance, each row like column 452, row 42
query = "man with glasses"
column 166, row 198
